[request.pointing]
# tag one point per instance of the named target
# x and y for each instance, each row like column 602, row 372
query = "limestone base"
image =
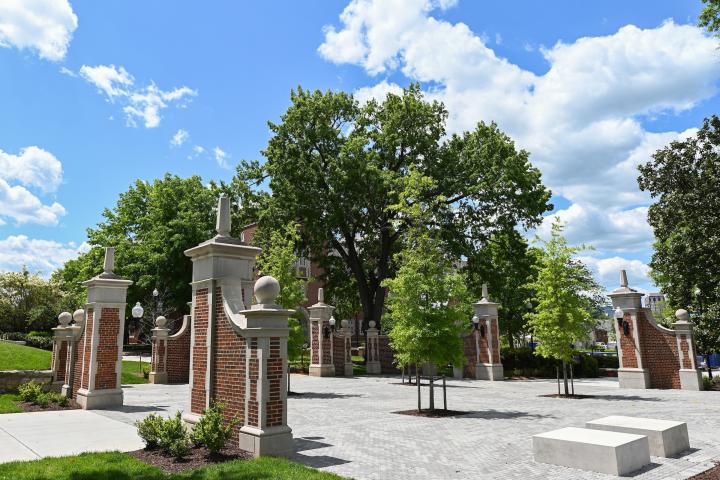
column 373, row 368
column 322, row 370
column 638, row 378
column 275, row 441
column 491, row 372
column 348, row 370
column 667, row 438
column 690, row 379
column 191, row 418
column 99, row 399
column 458, row 373
column 158, row 377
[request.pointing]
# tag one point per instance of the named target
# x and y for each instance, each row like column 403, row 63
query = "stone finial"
column 623, row 279
column 344, row 323
column 109, row 260
column 321, row 295
column 485, row 292
column 371, row 324
column 79, row 316
column 64, row 319
column 682, row 315
column 224, row 222
column 267, row 289
column 160, row 322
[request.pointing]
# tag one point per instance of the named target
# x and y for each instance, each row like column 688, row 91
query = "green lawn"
column 118, row 466
column 7, row 403
column 132, row 373
column 20, row 357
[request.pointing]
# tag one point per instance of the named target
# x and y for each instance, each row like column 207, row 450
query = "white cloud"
column 582, row 120
column 221, row 157
column 607, row 271
column 45, row 26
column 32, row 167
column 19, row 203
column 140, row 103
column 37, row 255
column 179, row 138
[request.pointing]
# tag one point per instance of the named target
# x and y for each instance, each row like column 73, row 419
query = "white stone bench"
column 667, row 438
column 596, row 450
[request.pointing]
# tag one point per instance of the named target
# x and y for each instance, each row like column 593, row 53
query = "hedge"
column 45, row 343
column 523, row 362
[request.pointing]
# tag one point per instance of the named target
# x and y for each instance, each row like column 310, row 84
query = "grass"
column 132, row 372
column 7, row 403
column 119, row 466
column 21, row 357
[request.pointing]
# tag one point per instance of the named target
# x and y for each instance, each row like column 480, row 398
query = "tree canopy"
column 683, row 180
column 335, row 167
column 28, row 302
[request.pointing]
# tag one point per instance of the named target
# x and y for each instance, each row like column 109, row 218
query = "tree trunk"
column 557, row 372
column 432, row 393
column 417, row 381
column 444, row 394
column 707, row 365
column 565, row 378
column 288, row 381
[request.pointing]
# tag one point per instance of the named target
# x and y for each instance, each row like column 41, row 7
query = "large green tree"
column 28, row 302
column 335, row 166
column 683, row 180
column 564, row 291
column 710, row 16
column 151, row 226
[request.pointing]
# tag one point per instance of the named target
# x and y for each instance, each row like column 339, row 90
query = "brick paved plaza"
column 346, row 425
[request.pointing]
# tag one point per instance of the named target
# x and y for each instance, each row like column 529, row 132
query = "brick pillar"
column 75, row 332
column 158, row 361
column 372, row 365
column 101, row 360
column 488, row 365
column 321, row 364
column 62, row 337
column 690, row 375
column 347, row 347
column 632, row 373
column 222, row 283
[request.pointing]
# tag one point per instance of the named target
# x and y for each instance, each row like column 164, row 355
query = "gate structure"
column 482, row 344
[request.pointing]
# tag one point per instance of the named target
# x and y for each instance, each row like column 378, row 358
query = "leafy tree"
column 508, row 265
column 563, row 286
column 335, row 166
column 151, row 226
column 710, row 16
column 683, row 180
column 28, row 302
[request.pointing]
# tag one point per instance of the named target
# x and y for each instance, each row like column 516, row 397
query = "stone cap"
column 624, row 296
column 108, row 278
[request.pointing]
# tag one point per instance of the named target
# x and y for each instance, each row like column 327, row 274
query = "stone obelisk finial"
column 623, row 279
column 321, row 295
column 485, row 292
column 109, row 260
column 222, row 226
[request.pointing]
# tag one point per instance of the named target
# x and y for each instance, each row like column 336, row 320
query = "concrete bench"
column 596, row 450
column 667, row 438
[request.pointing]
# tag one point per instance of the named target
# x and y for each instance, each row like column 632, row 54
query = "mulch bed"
column 31, row 407
column 437, row 413
column 712, row 474
column 569, row 397
column 197, row 457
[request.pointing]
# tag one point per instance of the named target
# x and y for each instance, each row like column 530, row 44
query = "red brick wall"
column 275, row 376
column 339, row 354
column 314, row 325
column 199, row 352
column 470, row 355
column 483, row 342
column 496, row 342
column 627, row 345
column 228, row 378
column 387, row 355
column 107, row 352
column 315, row 358
column 59, row 362
column 253, row 376
column 158, row 354
column 685, row 349
column 659, row 354
column 178, row 357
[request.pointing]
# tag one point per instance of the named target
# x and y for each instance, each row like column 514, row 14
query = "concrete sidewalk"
column 29, row 436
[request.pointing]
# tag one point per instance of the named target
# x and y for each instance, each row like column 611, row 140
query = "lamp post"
column 137, row 313
column 529, row 307
column 621, row 322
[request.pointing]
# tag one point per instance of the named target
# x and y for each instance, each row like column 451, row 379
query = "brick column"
column 488, row 365
column 632, row 373
column 347, row 347
column 62, row 337
column 690, row 375
column 321, row 364
column 101, row 360
column 372, row 365
column 158, row 361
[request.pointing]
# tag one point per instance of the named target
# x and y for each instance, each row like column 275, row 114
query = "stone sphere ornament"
column 64, row 319
column 682, row 315
column 79, row 316
column 344, row 323
column 371, row 324
column 267, row 289
column 160, row 322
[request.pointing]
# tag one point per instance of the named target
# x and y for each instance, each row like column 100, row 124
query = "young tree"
column 278, row 259
column 683, row 180
column 563, row 298
column 28, row 302
column 335, row 166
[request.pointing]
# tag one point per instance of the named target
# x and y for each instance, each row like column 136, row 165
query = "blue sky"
column 93, row 96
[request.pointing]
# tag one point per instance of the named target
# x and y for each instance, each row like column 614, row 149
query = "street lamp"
column 137, row 311
column 477, row 326
column 622, row 323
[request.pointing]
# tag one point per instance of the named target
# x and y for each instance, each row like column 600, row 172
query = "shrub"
column 14, row 336
column 211, row 431
column 174, row 437
column 44, row 343
column 36, row 333
column 149, row 429
column 30, row 391
column 589, row 367
column 62, row 400
column 43, row 400
column 607, row 361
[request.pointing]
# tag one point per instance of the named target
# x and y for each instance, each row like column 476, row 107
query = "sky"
column 94, row 95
